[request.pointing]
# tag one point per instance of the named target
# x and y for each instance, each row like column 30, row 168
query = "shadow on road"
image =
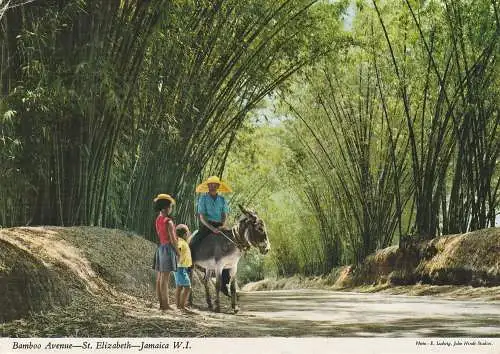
column 327, row 313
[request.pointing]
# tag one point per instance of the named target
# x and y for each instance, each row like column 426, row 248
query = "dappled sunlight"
column 317, row 312
column 109, row 306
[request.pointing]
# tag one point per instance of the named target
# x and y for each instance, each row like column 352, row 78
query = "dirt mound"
column 465, row 260
column 27, row 284
column 87, row 281
column 331, row 280
column 43, row 267
column 469, row 259
column 120, row 258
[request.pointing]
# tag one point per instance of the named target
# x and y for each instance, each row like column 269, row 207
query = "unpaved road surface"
column 329, row 313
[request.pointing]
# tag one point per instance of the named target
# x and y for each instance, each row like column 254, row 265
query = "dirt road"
column 329, row 313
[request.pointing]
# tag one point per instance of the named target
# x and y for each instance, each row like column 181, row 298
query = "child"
column 182, row 281
column 165, row 260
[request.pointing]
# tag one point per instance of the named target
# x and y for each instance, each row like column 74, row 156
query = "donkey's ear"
column 249, row 214
column 243, row 210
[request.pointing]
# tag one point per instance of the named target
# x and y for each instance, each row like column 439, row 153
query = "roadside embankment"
column 85, row 281
column 93, row 282
column 463, row 265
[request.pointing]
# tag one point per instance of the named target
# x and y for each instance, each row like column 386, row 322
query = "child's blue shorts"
column 182, row 277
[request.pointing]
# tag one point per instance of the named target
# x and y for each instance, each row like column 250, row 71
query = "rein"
column 240, row 242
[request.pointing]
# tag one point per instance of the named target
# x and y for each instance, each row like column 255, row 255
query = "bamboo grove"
column 106, row 103
column 390, row 116
column 400, row 134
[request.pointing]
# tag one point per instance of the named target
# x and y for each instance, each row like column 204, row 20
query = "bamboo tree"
column 69, row 123
column 237, row 55
column 472, row 198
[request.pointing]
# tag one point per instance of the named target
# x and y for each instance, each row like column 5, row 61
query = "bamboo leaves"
column 121, row 100
column 402, row 130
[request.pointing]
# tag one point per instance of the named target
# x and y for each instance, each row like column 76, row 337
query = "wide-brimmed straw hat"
column 223, row 187
column 165, row 197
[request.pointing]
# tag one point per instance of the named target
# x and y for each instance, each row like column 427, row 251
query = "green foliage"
column 251, row 268
column 258, row 170
column 117, row 102
column 387, row 127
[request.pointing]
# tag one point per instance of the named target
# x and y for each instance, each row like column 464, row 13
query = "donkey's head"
column 254, row 230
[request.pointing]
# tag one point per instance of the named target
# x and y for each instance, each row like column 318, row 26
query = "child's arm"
column 172, row 236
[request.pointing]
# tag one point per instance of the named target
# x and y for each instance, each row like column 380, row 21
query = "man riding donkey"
column 212, row 208
column 212, row 212
column 217, row 248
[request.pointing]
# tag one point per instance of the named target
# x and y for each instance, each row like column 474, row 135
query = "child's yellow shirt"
column 184, row 254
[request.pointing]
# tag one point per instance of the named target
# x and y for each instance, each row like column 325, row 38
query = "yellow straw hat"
column 223, row 187
column 165, row 197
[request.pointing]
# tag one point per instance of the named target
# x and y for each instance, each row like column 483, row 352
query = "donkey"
column 221, row 252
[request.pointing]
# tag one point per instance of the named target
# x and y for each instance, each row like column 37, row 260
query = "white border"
column 278, row 345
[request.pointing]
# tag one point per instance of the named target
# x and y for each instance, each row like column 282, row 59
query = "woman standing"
column 165, row 260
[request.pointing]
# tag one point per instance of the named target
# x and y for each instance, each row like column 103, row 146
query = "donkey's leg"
column 207, row 290
column 191, row 278
column 218, row 282
column 232, row 282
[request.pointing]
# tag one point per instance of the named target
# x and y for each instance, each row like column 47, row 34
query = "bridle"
column 239, row 240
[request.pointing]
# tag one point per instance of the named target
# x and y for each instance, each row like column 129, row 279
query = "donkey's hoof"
column 236, row 309
column 217, row 309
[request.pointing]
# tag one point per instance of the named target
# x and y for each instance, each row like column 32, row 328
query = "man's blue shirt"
column 212, row 209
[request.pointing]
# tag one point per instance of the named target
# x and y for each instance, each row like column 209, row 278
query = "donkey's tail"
column 225, row 278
